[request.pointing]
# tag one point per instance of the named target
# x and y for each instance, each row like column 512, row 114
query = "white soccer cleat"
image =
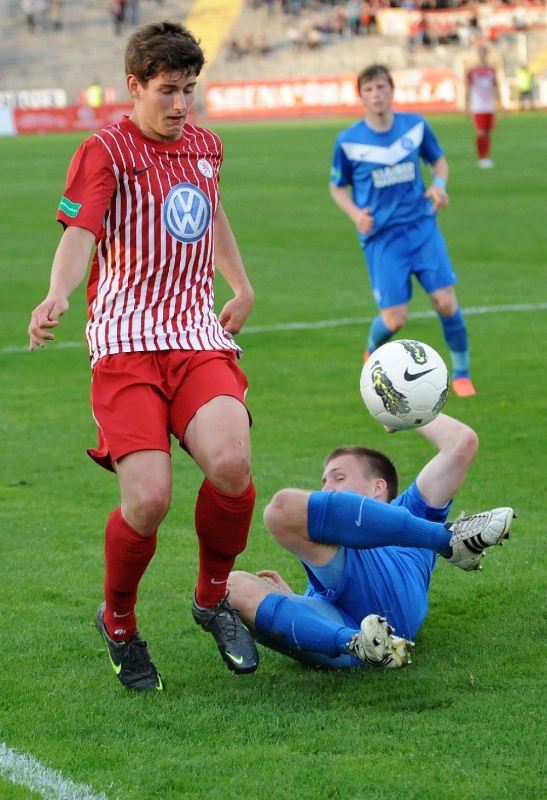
column 376, row 646
column 486, row 163
column 472, row 535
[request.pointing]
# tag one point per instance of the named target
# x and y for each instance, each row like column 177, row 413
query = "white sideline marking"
column 24, row 770
column 325, row 323
column 335, row 323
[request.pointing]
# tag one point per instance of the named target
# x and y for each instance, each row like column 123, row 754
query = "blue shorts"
column 397, row 253
column 390, row 581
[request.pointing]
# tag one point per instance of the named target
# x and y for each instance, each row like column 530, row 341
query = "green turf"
column 468, row 719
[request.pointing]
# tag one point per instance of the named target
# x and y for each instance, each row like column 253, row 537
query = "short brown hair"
column 374, row 71
column 373, row 463
column 161, row 48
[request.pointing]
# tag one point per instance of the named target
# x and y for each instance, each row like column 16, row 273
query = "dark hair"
column 161, row 48
column 374, row 464
column 374, row 71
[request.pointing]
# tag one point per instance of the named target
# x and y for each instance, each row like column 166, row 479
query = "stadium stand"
column 78, row 43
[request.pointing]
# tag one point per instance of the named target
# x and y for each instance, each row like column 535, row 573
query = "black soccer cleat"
column 235, row 643
column 130, row 661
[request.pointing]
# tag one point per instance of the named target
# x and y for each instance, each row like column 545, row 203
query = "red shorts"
column 484, row 122
column 139, row 399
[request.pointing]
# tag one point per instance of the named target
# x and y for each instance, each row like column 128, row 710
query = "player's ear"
column 380, row 489
column 133, row 86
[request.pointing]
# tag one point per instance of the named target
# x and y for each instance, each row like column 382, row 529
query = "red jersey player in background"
column 482, row 98
column 145, row 192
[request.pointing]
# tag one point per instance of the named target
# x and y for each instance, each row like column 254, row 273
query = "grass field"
column 469, row 718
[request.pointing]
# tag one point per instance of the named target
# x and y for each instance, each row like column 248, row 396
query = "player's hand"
column 44, row 317
column 438, row 197
column 273, row 577
column 235, row 312
column 364, row 221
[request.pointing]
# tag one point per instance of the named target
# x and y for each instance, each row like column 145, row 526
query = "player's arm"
column 497, row 93
column 457, row 446
column 68, row 271
column 437, row 191
column 229, row 263
column 467, row 94
column 361, row 217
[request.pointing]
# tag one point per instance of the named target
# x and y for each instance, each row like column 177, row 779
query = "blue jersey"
column 390, row 581
column 383, row 169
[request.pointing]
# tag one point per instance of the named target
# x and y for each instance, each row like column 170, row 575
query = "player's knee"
column 146, row 510
column 395, row 320
column 274, row 513
column 243, row 596
column 445, row 306
column 239, row 583
column 286, row 516
column 230, row 471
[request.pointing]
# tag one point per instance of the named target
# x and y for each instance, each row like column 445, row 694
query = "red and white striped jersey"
column 151, row 206
column 482, row 84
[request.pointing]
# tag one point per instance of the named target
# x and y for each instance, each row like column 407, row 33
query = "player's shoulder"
column 481, row 70
column 412, row 500
column 407, row 118
column 202, row 138
column 115, row 131
column 93, row 144
column 408, row 123
column 355, row 132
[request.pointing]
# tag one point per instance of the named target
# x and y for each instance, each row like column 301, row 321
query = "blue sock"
column 362, row 523
column 297, row 626
column 455, row 334
column 378, row 334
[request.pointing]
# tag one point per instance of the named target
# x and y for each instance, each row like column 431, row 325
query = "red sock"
column 483, row 145
column 222, row 525
column 127, row 555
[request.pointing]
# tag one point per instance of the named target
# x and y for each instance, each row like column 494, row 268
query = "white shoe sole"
column 376, row 646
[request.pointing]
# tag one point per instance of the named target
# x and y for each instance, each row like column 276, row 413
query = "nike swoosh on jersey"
column 374, row 154
column 358, row 520
column 409, row 376
column 140, row 171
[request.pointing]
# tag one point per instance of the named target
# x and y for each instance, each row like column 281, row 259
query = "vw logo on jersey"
column 407, row 143
column 187, row 213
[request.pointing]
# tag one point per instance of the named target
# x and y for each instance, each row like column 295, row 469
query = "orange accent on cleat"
column 462, row 387
column 366, row 356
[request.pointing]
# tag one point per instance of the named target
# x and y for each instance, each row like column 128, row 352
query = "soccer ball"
column 405, row 384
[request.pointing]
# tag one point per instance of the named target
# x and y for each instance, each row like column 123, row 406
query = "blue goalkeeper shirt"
column 383, row 169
